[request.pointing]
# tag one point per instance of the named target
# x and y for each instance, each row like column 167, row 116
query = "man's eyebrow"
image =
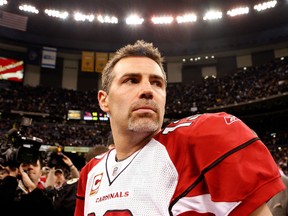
column 157, row 77
column 154, row 76
column 131, row 75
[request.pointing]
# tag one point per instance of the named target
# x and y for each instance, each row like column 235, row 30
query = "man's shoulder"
column 205, row 130
column 197, row 122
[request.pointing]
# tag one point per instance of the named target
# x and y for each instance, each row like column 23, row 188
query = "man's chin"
column 143, row 126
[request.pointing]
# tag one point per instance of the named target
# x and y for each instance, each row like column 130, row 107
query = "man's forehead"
column 137, row 66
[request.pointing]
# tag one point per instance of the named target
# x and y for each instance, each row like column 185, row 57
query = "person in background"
column 94, row 151
column 110, row 142
column 209, row 164
column 61, row 187
column 278, row 204
column 44, row 173
column 3, row 173
column 22, row 192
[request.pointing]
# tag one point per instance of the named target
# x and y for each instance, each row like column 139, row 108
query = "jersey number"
column 182, row 123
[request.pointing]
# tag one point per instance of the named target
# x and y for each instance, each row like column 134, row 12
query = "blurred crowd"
column 56, row 133
column 246, row 85
column 249, row 84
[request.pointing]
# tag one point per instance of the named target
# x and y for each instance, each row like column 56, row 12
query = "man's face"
column 137, row 96
column 59, row 179
column 33, row 170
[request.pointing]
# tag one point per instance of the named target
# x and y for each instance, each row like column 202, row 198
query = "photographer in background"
column 61, row 185
column 22, row 192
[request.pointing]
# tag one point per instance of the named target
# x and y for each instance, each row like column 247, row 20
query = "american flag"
column 14, row 21
column 11, row 69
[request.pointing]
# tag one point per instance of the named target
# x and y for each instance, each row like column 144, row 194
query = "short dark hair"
column 139, row 48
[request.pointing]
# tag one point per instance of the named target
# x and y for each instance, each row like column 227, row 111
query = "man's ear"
column 103, row 100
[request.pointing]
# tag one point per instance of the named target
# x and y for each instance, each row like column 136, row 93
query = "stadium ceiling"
column 202, row 36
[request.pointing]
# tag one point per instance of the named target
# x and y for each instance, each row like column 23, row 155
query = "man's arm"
column 74, row 171
column 263, row 210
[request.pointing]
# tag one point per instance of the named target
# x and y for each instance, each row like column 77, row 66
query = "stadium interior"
column 220, row 55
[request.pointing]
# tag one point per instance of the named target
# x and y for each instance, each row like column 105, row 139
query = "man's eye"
column 130, row 80
column 157, row 83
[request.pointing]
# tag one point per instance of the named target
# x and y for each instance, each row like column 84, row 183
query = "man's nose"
column 146, row 90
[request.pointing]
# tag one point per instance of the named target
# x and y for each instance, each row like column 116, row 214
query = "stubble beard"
column 145, row 123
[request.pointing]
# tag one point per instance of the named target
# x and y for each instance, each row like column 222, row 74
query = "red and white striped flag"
column 11, row 69
column 14, row 21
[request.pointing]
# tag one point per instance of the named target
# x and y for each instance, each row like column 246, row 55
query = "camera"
column 55, row 157
column 20, row 146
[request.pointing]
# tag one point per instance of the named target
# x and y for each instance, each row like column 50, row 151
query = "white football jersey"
column 131, row 181
column 210, row 164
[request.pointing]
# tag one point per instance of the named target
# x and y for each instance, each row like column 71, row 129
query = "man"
column 210, row 164
column 61, row 189
column 22, row 192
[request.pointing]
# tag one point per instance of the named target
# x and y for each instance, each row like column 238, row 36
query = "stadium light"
column 238, row 11
column 82, row 17
column 107, row 19
column 187, row 18
column 212, row 15
column 265, row 5
column 57, row 14
column 134, row 20
column 162, row 20
column 3, row 2
column 28, row 8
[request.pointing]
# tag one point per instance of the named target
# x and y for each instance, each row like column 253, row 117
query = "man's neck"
column 127, row 145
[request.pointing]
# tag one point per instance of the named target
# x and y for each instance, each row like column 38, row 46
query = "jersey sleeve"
column 80, row 195
column 223, row 159
column 81, row 189
column 249, row 177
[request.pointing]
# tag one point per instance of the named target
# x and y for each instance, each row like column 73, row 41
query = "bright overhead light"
column 3, row 2
column 134, row 20
column 107, row 19
column 238, row 11
column 57, row 14
column 187, row 18
column 29, row 8
column 212, row 15
column 162, row 20
column 82, row 17
column 265, row 5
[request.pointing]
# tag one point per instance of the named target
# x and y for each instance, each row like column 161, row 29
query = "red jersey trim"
column 208, row 168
